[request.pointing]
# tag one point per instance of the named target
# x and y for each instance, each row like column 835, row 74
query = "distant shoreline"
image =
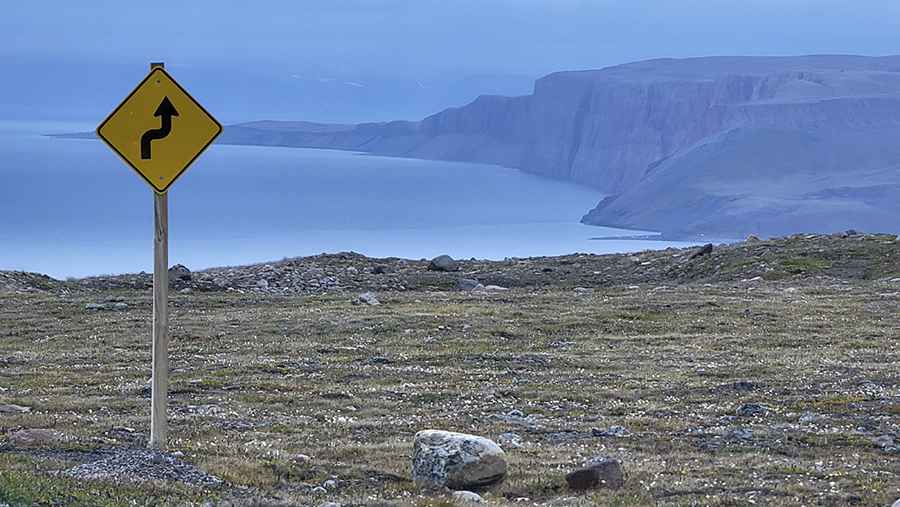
column 644, row 236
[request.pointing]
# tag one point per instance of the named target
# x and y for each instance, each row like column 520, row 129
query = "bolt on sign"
column 159, row 130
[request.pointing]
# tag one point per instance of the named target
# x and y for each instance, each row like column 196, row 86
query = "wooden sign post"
column 160, row 380
column 159, row 427
column 159, row 130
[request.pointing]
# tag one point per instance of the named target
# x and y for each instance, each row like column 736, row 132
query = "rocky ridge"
column 849, row 255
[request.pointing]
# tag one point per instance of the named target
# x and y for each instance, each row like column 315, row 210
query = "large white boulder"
column 456, row 461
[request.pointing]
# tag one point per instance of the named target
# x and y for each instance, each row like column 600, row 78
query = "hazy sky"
column 403, row 37
column 358, row 60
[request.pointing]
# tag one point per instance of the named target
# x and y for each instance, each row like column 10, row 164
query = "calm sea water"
column 71, row 208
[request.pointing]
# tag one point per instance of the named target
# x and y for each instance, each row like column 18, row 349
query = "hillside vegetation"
column 763, row 372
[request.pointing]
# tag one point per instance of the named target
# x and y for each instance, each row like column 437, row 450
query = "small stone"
column 262, row 284
column 368, row 298
column 456, row 461
column 467, row 498
column 300, row 459
column 468, row 284
column 179, row 272
column 330, row 484
column 35, row 437
column 751, row 410
column 752, row 238
column 319, row 490
column 494, row 288
column 510, row 440
column 351, row 270
column 809, row 418
column 443, row 263
column 108, row 306
column 379, row 270
column 884, row 441
column 314, row 273
column 739, row 434
column 330, row 504
column 704, row 250
column 597, row 473
column 186, row 290
column 14, row 409
column 612, row 431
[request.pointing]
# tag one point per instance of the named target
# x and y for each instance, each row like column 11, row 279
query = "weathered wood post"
column 160, row 378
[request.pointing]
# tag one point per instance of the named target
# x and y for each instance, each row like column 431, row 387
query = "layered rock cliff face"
column 717, row 146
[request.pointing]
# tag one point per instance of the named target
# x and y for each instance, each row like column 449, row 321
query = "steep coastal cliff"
column 718, row 146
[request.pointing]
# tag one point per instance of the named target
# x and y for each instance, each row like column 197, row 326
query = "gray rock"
column 14, row 409
column 809, row 418
column 612, row 431
column 443, row 263
column 106, row 306
column 179, row 272
column 186, row 290
column 315, row 273
column 516, row 417
column 330, row 504
column 456, row 461
column 752, row 410
column 262, row 284
column 466, row 498
column 468, row 284
column 884, row 441
column 319, row 490
column 704, row 250
column 494, row 288
column 739, row 434
column 896, row 503
column 510, row 440
column 597, row 473
column 35, row 437
column 300, row 459
column 368, row 298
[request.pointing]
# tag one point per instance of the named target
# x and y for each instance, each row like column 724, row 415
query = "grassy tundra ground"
column 762, row 373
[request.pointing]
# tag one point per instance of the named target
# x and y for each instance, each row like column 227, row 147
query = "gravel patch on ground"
column 141, row 465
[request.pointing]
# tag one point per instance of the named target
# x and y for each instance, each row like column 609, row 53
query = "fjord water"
column 69, row 207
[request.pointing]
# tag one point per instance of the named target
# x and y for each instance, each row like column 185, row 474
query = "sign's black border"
column 188, row 95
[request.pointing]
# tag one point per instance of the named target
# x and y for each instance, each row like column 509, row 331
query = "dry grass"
column 259, row 379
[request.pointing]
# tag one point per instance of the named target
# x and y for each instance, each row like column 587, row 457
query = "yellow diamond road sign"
column 159, row 130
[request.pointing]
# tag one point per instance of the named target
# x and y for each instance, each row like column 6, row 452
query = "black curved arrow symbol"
column 165, row 111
